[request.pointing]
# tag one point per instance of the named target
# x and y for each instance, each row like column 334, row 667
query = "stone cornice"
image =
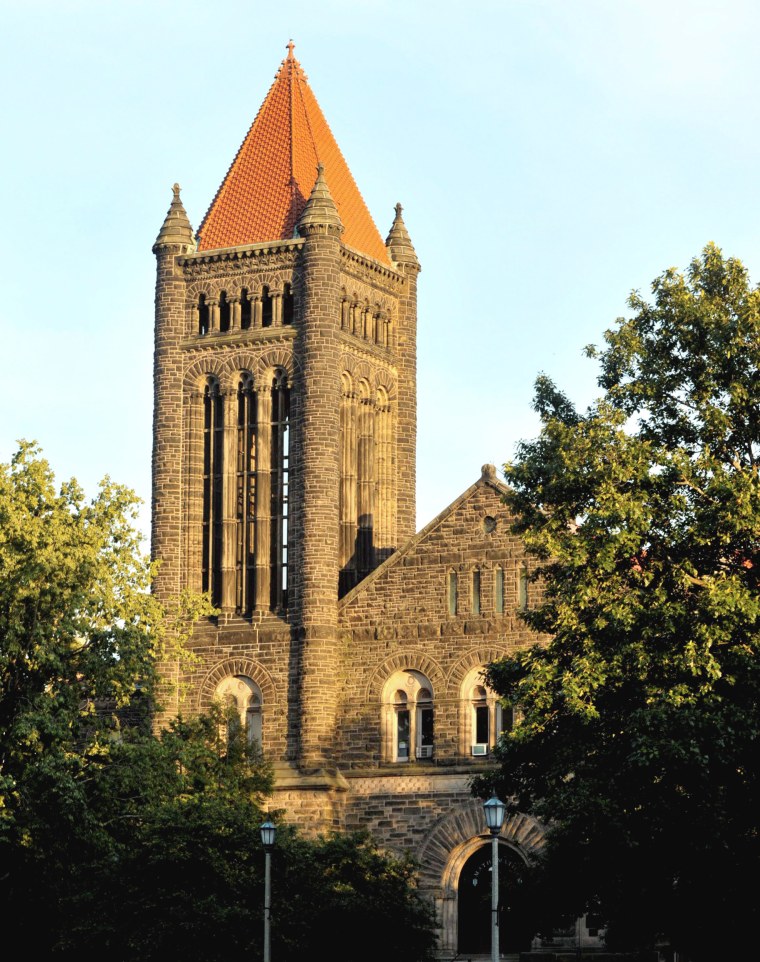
column 248, row 338
column 193, row 263
column 358, row 346
column 357, row 259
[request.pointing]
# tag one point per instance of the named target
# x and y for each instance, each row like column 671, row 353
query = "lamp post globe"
column 494, row 810
column 268, row 831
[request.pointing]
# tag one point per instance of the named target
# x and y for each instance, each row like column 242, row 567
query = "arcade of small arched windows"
column 408, row 720
column 366, row 501
column 487, row 589
column 242, row 310
column 368, row 322
column 237, row 502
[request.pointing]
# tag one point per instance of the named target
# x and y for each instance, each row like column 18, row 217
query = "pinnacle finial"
column 289, row 46
column 399, row 243
column 176, row 229
column 320, row 209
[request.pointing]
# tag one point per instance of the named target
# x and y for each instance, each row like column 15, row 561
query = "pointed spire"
column 268, row 183
column 399, row 243
column 176, row 227
column 320, row 209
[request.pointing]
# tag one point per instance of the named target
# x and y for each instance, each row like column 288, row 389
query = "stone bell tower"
column 285, row 417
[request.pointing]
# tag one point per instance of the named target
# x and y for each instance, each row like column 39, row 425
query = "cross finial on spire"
column 290, row 45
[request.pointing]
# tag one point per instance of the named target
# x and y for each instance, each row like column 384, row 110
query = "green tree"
column 343, row 896
column 180, row 872
column 78, row 630
column 117, row 842
column 640, row 738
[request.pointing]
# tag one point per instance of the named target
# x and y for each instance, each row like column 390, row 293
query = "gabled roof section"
column 487, row 479
column 270, row 179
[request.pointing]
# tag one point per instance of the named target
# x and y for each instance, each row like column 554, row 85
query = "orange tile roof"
column 270, row 179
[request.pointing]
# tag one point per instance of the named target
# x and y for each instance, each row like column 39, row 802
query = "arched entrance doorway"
column 474, row 903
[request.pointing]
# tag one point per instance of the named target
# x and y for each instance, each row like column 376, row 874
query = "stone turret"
column 174, row 239
column 315, row 521
column 404, row 258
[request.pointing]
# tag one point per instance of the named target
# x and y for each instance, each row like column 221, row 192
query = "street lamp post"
column 268, row 831
column 494, row 810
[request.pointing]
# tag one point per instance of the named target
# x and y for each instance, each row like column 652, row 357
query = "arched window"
column 241, row 699
column 483, row 716
column 409, row 717
column 213, row 444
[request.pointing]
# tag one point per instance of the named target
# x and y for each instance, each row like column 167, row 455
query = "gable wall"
column 399, row 619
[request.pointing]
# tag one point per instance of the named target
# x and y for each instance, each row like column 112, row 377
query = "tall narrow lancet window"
column 213, row 443
column 425, row 729
column 203, row 315
column 245, row 309
column 476, row 591
column 245, row 560
column 287, row 304
column 365, row 482
column 347, row 495
column 224, row 312
column 481, row 735
column 498, row 590
column 266, row 307
column 279, row 474
column 452, row 592
column 384, row 478
column 522, row 587
column 403, row 727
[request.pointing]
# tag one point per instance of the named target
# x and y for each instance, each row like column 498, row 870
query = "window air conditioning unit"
column 480, row 749
column 425, row 751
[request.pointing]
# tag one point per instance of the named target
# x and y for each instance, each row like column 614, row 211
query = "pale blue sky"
column 550, row 155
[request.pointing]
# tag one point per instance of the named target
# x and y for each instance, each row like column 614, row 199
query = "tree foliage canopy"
column 640, row 739
column 118, row 842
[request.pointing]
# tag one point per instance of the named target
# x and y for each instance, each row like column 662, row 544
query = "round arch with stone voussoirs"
column 445, row 851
